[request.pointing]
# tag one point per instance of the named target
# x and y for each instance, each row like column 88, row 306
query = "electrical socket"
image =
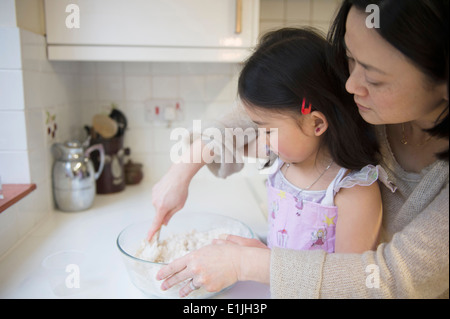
column 164, row 112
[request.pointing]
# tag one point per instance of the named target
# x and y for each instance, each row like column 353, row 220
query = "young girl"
column 323, row 193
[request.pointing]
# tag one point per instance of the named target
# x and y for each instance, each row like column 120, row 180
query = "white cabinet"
column 151, row 30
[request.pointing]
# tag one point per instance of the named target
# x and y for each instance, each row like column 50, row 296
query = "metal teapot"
column 74, row 176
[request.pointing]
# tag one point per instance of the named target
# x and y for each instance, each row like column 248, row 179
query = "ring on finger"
column 191, row 285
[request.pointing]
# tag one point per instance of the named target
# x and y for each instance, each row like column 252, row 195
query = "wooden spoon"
column 104, row 125
column 155, row 238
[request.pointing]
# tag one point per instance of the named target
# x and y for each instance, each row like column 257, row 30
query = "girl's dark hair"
column 289, row 65
column 417, row 28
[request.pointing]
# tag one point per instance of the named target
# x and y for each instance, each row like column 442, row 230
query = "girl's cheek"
column 273, row 143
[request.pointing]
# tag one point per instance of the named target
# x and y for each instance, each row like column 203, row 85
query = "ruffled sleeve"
column 365, row 177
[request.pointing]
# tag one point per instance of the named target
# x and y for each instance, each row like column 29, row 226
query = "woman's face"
column 387, row 87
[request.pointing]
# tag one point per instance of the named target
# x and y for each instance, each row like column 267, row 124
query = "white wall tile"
column 137, row 68
column 165, row 68
column 49, row 89
column 323, row 10
column 272, row 9
column 165, row 87
column 220, row 87
column 215, row 110
column 110, row 87
column 136, row 117
column 10, row 39
column 187, row 68
column 192, row 87
column 110, row 68
column 194, row 110
column 14, row 167
column 35, row 129
column 157, row 165
column 33, row 50
column 34, row 88
column 39, row 173
column 8, row 13
column 266, row 26
column 220, row 68
column 88, row 68
column 88, row 87
column 13, row 136
column 276, row 14
column 299, row 10
column 139, row 140
column 11, row 90
column 322, row 26
column 137, row 88
column 161, row 139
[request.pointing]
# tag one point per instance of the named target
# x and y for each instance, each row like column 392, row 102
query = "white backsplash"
column 203, row 88
column 36, row 94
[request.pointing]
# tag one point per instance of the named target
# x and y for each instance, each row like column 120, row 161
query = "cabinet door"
column 159, row 23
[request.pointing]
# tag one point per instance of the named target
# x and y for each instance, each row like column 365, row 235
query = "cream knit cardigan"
column 412, row 260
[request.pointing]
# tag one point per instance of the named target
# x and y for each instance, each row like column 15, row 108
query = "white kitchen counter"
column 94, row 232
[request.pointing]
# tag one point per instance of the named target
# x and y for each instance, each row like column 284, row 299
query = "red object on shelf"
column 12, row 193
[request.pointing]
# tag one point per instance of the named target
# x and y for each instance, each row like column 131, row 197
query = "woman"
column 398, row 74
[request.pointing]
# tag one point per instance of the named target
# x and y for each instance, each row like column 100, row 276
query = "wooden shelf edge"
column 12, row 193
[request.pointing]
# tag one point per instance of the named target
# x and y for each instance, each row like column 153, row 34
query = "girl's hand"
column 170, row 193
column 168, row 196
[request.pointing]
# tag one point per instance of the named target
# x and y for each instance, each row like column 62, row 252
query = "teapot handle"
column 101, row 150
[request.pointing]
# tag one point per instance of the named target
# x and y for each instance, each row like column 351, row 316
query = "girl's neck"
column 316, row 163
column 316, row 169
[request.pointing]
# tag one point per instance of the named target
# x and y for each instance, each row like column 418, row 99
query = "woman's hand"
column 241, row 241
column 218, row 265
column 214, row 267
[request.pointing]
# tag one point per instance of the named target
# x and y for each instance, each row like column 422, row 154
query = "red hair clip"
column 306, row 110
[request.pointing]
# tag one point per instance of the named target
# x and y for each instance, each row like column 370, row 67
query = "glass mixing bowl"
column 143, row 272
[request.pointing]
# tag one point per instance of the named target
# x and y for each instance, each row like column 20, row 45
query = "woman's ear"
column 319, row 123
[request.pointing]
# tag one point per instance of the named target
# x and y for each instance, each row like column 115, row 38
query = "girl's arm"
column 359, row 219
column 177, row 179
column 170, row 193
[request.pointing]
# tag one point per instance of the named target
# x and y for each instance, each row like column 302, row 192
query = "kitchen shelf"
column 142, row 54
column 13, row 193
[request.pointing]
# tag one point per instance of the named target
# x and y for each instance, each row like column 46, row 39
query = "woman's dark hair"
column 417, row 28
column 290, row 65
